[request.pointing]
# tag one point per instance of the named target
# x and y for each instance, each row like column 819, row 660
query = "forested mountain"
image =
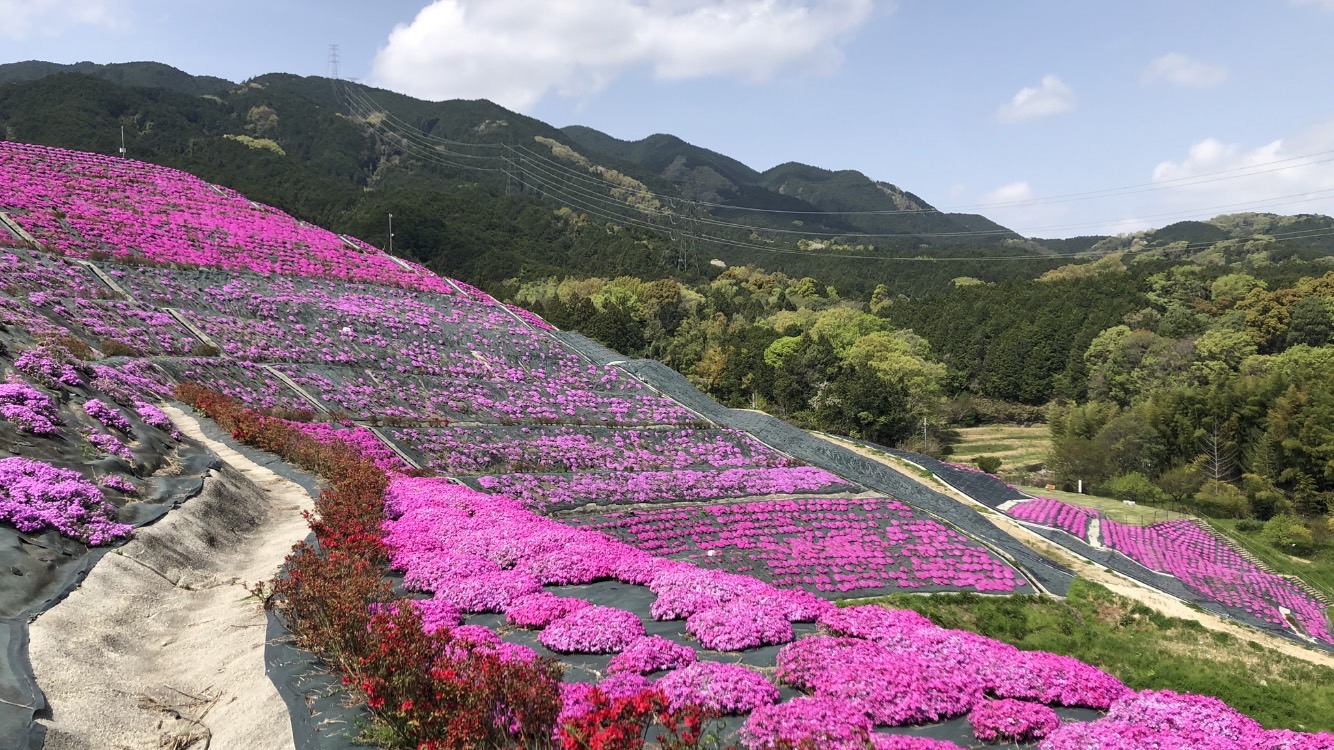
column 149, row 74
column 809, row 197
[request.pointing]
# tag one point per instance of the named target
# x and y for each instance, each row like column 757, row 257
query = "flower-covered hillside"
column 87, row 205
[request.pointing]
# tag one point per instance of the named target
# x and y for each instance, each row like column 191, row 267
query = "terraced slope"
column 586, row 515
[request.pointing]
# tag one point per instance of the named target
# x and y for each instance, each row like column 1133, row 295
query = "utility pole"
column 122, row 141
column 924, row 434
column 391, row 234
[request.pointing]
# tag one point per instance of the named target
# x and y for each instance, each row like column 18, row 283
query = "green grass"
column 1015, row 446
column 1135, row 515
column 1145, row 650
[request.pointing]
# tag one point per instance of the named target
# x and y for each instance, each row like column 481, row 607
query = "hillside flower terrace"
column 563, row 468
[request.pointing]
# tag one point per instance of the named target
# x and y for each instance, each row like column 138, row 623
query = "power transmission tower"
column 333, row 61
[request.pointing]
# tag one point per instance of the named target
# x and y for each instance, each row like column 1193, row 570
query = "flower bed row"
column 506, row 450
column 617, row 487
column 825, row 545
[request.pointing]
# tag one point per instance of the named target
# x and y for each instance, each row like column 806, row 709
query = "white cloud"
column 1051, row 97
column 1010, row 193
column 1325, row 5
column 516, row 51
column 1288, row 175
column 1180, row 70
column 20, row 19
column 1016, row 205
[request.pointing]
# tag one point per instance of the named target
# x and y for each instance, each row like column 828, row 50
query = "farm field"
column 571, row 524
column 1017, row 446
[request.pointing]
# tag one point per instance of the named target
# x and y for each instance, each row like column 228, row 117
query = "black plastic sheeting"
column 322, row 714
column 784, row 437
column 40, row 570
column 980, row 486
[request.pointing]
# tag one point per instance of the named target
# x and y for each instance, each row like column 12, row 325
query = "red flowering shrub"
column 625, row 723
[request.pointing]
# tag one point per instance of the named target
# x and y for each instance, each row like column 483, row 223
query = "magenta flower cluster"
column 1007, row 720
column 725, row 688
column 650, row 654
column 33, row 411
column 826, row 723
column 593, row 630
column 110, row 445
column 35, row 496
column 50, row 366
column 118, row 483
column 109, row 416
column 739, row 625
column 541, row 609
column 156, row 418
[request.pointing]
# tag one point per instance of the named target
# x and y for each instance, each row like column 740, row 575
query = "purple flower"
column 1012, row 721
column 36, row 496
column 652, row 654
column 726, row 688
column 593, row 630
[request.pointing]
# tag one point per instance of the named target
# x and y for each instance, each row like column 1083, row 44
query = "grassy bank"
column 1145, row 649
column 1014, row 445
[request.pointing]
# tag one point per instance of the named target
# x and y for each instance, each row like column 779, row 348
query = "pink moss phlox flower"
column 829, row 723
column 1012, row 721
column 108, row 416
column 35, row 496
column 593, row 630
column 437, row 614
column 726, row 688
column 739, row 625
column 541, row 609
column 651, row 654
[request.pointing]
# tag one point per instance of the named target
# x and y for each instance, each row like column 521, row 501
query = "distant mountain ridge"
column 819, row 200
column 149, row 74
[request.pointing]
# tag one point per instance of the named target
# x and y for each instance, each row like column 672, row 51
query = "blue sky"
column 1003, row 108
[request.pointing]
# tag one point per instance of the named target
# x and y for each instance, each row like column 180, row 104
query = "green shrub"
column 1135, row 487
column 1289, row 534
column 989, row 464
